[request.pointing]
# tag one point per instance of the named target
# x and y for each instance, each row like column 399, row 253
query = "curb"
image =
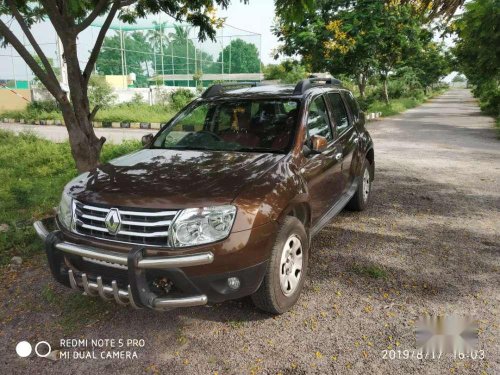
column 95, row 124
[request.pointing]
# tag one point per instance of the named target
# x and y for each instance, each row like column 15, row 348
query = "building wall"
column 10, row 101
column 118, row 81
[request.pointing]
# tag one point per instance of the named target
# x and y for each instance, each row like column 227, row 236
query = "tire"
column 280, row 289
column 360, row 199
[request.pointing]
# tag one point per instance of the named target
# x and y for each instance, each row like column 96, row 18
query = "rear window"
column 353, row 104
column 339, row 112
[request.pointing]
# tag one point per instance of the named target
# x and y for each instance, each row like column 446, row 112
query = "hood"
column 157, row 178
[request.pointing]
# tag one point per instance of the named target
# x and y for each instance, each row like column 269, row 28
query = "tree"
column 356, row 38
column 137, row 54
column 295, row 9
column 430, row 63
column 240, row 57
column 288, row 71
column 477, row 52
column 398, row 30
column 100, row 92
column 69, row 18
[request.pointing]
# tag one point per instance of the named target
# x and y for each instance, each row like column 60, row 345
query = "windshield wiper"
column 259, row 149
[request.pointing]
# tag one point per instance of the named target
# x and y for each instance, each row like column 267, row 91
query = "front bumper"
column 126, row 277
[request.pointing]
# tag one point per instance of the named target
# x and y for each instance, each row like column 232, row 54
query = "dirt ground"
column 428, row 243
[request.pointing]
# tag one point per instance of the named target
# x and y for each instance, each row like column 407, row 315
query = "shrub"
column 181, row 98
column 43, row 106
column 489, row 97
column 136, row 99
column 33, row 174
column 100, row 92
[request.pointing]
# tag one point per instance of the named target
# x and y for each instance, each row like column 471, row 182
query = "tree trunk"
column 386, row 92
column 85, row 146
column 362, row 85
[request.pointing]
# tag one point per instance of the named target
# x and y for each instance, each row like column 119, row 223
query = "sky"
column 257, row 16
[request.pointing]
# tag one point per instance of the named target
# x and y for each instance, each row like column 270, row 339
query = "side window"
column 353, row 104
column 317, row 120
column 339, row 112
column 197, row 116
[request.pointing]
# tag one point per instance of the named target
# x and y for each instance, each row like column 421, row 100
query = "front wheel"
column 286, row 271
column 360, row 199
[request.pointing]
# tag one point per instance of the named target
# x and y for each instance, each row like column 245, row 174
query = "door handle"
column 338, row 156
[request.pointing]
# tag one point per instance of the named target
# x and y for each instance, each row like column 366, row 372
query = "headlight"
column 64, row 213
column 196, row 226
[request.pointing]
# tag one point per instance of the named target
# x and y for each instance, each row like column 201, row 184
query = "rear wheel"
column 286, row 271
column 361, row 197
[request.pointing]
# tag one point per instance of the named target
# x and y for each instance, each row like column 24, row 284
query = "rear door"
column 346, row 136
column 322, row 172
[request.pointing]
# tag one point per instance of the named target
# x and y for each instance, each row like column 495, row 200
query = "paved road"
column 60, row 134
column 428, row 244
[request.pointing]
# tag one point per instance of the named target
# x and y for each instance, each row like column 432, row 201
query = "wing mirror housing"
column 316, row 145
column 147, row 139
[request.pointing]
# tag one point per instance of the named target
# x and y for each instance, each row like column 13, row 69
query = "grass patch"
column 236, row 324
column 76, row 309
column 399, row 105
column 373, row 272
column 124, row 112
column 33, row 173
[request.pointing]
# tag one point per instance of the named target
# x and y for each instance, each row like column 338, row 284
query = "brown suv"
column 220, row 204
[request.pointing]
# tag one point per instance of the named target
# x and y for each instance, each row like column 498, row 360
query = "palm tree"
column 159, row 40
column 157, row 36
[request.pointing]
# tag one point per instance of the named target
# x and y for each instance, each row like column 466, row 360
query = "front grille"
column 137, row 227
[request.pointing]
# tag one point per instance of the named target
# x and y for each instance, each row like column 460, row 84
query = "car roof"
column 270, row 91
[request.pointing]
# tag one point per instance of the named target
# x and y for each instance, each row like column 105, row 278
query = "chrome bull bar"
column 136, row 266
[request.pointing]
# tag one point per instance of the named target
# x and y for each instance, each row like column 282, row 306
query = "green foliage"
column 137, row 99
column 100, row 92
column 136, row 113
column 372, row 271
column 240, row 57
column 33, row 174
column 181, row 97
column 399, row 105
column 138, row 56
column 362, row 39
column 288, row 71
column 43, row 106
column 477, row 52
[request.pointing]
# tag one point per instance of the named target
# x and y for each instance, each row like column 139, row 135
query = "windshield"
column 234, row 125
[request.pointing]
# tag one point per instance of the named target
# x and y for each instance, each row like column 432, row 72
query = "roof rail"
column 307, row 83
column 218, row 88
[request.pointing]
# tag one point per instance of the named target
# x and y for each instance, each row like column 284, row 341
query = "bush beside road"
column 32, row 176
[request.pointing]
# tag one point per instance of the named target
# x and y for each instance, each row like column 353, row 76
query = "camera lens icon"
column 24, row 349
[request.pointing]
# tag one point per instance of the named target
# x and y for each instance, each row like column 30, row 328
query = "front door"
column 323, row 172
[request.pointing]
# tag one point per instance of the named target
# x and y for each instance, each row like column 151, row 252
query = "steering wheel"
column 214, row 136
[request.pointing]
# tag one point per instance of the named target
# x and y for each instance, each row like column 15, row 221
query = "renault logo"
column 113, row 221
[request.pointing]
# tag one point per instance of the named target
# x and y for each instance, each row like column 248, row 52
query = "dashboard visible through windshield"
column 238, row 125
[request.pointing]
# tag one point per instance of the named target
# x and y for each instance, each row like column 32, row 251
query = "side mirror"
column 318, row 144
column 147, row 139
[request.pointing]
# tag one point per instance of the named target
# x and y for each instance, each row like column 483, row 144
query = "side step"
column 336, row 208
